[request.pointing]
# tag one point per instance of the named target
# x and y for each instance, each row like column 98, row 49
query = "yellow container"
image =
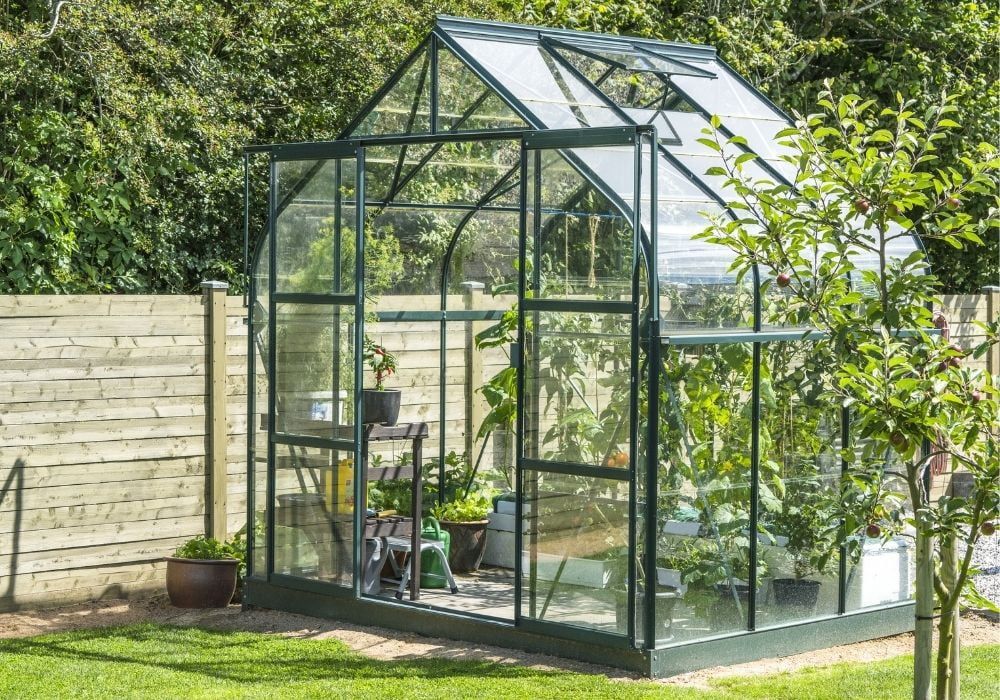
column 339, row 487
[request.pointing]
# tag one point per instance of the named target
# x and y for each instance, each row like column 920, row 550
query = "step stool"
column 405, row 545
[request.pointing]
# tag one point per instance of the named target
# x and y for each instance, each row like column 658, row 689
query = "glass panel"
column 315, row 226
column 583, row 246
column 575, row 551
column 486, row 253
column 726, row 96
column 704, row 487
column 698, row 291
column 406, row 108
column 314, row 370
column 464, row 101
column 576, row 402
column 881, row 571
column 800, row 431
column 313, row 513
column 555, row 97
column 258, row 420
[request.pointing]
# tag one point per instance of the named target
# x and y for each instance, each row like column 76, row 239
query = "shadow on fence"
column 14, row 484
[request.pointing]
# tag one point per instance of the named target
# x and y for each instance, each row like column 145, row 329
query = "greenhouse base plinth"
column 659, row 663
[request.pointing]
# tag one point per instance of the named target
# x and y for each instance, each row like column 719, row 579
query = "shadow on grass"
column 245, row 658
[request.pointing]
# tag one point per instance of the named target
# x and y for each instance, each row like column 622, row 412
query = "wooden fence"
column 123, row 427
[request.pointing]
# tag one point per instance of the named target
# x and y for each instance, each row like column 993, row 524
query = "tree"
column 865, row 178
column 121, row 128
column 876, row 48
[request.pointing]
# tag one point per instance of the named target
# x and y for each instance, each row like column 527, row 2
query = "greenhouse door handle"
column 515, row 355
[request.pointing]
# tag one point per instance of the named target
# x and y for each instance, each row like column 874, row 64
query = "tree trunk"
column 923, row 627
column 948, row 641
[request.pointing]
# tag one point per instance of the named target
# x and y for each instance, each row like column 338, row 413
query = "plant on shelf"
column 204, row 572
column 381, row 405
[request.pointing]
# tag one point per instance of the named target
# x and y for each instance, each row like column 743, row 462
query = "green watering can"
column 431, row 572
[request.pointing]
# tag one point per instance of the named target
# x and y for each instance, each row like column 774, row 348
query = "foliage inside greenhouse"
column 511, row 236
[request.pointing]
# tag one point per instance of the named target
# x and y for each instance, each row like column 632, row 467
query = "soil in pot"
column 798, row 593
column 201, row 583
column 381, row 406
column 468, row 542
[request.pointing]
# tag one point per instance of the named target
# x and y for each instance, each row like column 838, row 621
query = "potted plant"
column 381, row 405
column 665, row 598
column 203, row 573
column 465, row 520
column 808, row 521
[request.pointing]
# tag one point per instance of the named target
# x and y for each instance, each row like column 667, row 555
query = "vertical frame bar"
column 246, row 227
column 272, row 284
column 360, row 482
column 250, row 293
column 652, row 403
column 519, row 438
column 434, row 83
column 632, row 588
column 754, row 455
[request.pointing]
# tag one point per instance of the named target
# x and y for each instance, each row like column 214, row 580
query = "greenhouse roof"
column 472, row 75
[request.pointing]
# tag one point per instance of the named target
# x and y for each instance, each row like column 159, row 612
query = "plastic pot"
column 381, row 406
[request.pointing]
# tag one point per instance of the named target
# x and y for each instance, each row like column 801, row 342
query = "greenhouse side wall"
column 93, row 495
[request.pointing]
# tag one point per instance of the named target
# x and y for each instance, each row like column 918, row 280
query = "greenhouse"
column 607, row 443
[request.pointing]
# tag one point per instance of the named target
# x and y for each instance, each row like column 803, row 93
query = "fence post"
column 992, row 314
column 217, row 433
column 472, row 293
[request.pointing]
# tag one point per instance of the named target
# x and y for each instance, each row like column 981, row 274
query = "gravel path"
column 986, row 558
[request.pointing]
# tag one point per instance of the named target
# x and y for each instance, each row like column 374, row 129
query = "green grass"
column 155, row 661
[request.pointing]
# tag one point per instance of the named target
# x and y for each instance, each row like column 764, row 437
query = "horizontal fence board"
column 103, row 305
column 119, row 492
column 112, row 326
column 126, row 511
column 98, row 431
column 109, row 472
column 88, row 535
column 48, row 412
column 108, row 388
column 84, row 557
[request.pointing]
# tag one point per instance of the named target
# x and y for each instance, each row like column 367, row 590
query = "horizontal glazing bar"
column 477, row 315
column 575, row 469
column 578, row 306
column 585, row 138
column 315, row 150
column 760, row 336
column 313, row 298
column 313, row 441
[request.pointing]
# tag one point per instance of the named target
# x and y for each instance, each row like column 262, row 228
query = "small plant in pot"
column 465, row 520
column 809, row 522
column 203, row 573
column 381, row 405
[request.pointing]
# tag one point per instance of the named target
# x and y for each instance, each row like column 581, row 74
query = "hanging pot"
column 381, row 406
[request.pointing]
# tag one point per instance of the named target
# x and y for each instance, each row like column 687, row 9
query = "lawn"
column 156, row 661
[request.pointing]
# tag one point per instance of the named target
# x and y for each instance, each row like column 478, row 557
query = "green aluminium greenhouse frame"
column 602, row 157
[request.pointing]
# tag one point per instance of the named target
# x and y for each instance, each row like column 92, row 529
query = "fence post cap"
column 208, row 284
column 991, row 289
column 472, row 286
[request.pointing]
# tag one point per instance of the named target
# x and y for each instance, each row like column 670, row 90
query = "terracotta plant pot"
column 381, row 406
column 201, row 583
column 468, row 542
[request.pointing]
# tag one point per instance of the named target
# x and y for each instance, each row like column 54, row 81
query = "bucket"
column 431, row 571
